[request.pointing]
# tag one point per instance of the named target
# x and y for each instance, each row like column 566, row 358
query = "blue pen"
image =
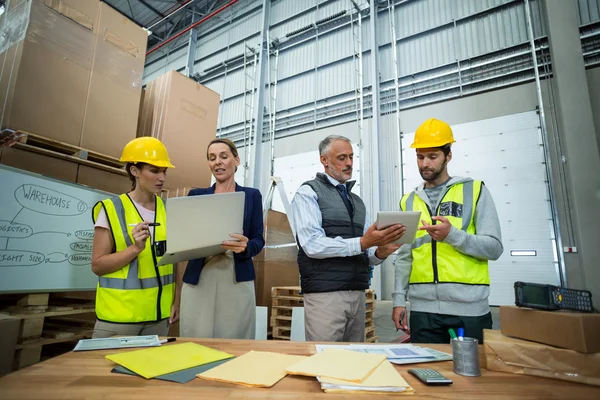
column 461, row 333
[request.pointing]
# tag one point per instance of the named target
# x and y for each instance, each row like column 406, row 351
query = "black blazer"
column 253, row 230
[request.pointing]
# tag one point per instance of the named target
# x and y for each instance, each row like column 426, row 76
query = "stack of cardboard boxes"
column 276, row 265
column 554, row 344
column 183, row 115
column 71, row 71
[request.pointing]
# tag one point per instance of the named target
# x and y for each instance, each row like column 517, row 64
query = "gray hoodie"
column 453, row 298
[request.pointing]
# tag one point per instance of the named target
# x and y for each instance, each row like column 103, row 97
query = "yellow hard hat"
column 147, row 150
column 433, row 133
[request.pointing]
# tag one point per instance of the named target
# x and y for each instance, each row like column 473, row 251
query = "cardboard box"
column 183, row 115
column 171, row 193
column 9, row 334
column 277, row 264
column 570, row 330
column 38, row 163
column 113, row 100
column 103, row 180
column 516, row 356
column 46, row 52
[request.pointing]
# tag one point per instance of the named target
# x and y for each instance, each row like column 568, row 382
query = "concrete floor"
column 386, row 331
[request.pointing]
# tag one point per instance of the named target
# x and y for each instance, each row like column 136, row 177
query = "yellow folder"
column 338, row 364
column 157, row 361
column 384, row 380
column 253, row 369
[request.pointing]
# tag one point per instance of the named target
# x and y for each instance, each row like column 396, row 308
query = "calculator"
column 430, row 376
column 549, row 297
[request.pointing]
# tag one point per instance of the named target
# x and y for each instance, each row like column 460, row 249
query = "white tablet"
column 410, row 219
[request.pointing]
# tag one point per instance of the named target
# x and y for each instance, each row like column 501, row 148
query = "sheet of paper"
column 437, row 356
column 183, row 376
column 254, row 369
column 384, row 379
column 391, row 351
column 353, row 390
column 338, row 364
column 157, row 361
column 117, row 343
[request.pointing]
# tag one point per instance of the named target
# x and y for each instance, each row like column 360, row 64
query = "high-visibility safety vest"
column 141, row 291
column 438, row 262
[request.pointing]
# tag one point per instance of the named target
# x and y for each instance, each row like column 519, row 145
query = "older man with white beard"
column 336, row 247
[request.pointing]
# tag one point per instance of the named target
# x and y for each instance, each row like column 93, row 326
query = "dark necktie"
column 344, row 191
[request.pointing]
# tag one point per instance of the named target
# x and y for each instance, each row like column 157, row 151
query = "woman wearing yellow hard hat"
column 134, row 296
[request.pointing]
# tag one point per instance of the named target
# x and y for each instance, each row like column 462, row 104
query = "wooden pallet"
column 282, row 333
column 50, row 147
column 286, row 291
column 370, row 333
column 369, row 299
column 370, row 294
column 281, row 311
column 287, row 302
column 285, row 298
column 45, row 320
column 372, row 339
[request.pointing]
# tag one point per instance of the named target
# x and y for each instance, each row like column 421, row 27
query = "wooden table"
column 87, row 375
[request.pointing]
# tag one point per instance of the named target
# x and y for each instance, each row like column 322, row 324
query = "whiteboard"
column 46, row 233
column 506, row 153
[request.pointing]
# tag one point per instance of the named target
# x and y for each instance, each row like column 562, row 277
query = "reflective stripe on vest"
column 134, row 293
column 439, row 262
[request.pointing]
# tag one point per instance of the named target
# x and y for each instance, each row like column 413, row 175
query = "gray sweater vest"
column 336, row 273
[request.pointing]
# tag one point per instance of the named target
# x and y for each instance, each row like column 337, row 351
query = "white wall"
column 492, row 104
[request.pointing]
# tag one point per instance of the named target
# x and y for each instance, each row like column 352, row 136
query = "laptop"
column 197, row 225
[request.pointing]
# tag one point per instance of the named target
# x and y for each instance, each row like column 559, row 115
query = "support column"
column 581, row 151
column 259, row 172
column 373, row 146
column 191, row 49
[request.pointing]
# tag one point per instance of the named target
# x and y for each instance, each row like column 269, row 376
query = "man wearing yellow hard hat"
column 444, row 273
column 134, row 295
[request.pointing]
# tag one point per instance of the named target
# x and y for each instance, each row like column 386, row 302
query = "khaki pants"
column 218, row 306
column 107, row 329
column 335, row 316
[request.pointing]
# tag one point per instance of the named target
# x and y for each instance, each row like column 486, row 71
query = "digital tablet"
column 410, row 219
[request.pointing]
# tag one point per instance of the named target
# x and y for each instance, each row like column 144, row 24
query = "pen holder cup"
column 465, row 354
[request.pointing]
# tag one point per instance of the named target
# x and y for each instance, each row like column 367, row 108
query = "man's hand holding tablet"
column 409, row 219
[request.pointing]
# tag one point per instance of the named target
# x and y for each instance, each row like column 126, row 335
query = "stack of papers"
column 344, row 371
column 253, row 369
column 338, row 364
column 395, row 353
column 384, row 380
column 158, row 361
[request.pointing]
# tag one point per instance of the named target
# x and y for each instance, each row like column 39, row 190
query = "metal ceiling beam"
column 238, row 16
column 154, row 10
column 177, row 10
column 131, row 9
column 192, row 26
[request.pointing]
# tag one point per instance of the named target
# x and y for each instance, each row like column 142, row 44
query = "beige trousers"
column 108, row 329
column 218, row 306
column 335, row 316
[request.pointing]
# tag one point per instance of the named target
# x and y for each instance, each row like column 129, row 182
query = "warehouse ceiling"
column 165, row 18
